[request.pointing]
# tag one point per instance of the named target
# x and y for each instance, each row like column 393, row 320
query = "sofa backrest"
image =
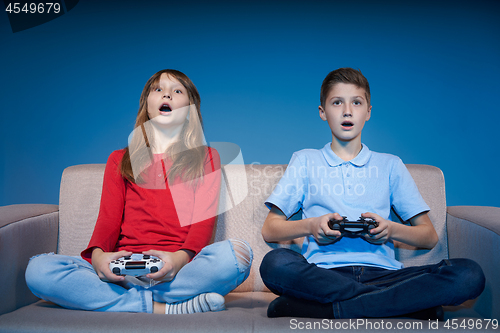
column 244, row 190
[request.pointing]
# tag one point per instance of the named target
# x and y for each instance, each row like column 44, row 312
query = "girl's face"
column 168, row 102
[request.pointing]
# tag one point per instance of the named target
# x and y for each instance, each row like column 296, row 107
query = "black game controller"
column 358, row 228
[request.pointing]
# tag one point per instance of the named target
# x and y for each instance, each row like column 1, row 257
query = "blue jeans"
column 371, row 292
column 72, row 282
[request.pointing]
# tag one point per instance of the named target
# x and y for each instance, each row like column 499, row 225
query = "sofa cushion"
column 15, row 213
column 246, row 312
column 243, row 212
column 79, row 199
column 430, row 183
column 25, row 230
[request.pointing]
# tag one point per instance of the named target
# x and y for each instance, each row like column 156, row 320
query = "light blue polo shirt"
column 319, row 182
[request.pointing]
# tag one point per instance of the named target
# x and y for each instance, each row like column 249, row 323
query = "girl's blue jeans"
column 370, row 292
column 72, row 282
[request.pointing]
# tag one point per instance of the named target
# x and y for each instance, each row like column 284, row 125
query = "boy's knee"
column 475, row 275
column 470, row 278
column 276, row 261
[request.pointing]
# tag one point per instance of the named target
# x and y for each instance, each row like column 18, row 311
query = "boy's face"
column 346, row 110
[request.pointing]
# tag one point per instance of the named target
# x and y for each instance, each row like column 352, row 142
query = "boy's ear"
column 322, row 113
column 369, row 114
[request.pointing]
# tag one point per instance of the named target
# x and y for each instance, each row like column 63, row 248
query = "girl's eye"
column 178, row 91
column 157, row 89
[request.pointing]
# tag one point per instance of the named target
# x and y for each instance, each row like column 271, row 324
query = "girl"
column 159, row 198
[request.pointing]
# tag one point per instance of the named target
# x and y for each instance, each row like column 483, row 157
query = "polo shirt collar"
column 333, row 160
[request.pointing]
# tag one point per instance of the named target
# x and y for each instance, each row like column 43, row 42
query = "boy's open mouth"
column 165, row 108
column 347, row 124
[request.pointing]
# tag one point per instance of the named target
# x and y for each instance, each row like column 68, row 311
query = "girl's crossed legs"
column 71, row 282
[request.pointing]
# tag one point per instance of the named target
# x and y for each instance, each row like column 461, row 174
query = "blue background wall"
column 70, row 87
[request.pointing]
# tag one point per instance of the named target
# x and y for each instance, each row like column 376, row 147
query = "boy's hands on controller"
column 380, row 234
column 101, row 260
column 320, row 230
column 172, row 263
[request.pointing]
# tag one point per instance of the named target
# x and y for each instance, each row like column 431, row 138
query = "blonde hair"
column 187, row 155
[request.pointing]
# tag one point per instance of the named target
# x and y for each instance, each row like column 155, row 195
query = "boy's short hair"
column 344, row 75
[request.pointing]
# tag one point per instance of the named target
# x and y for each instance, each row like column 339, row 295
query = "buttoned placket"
column 161, row 172
column 346, row 177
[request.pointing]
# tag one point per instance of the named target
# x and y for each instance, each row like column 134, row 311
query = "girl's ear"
column 322, row 114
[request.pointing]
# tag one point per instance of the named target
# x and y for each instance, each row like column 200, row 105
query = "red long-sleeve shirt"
column 166, row 218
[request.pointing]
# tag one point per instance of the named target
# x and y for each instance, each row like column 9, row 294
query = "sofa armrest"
column 474, row 233
column 25, row 230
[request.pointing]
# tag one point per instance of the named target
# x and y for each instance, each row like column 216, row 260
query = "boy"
column 344, row 277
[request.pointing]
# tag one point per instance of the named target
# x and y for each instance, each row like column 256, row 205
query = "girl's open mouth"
column 165, row 108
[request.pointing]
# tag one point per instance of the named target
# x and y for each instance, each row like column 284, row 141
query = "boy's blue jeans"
column 72, row 282
column 370, row 292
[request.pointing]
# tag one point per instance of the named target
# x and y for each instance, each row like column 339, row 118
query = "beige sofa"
column 27, row 230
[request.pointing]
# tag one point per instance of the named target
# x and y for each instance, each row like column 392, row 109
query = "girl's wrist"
column 96, row 251
column 184, row 256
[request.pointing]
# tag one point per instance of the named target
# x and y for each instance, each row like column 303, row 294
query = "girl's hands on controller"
column 380, row 234
column 101, row 260
column 172, row 263
column 320, row 230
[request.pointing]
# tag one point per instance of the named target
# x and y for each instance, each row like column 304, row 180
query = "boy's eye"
column 356, row 102
column 337, row 102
